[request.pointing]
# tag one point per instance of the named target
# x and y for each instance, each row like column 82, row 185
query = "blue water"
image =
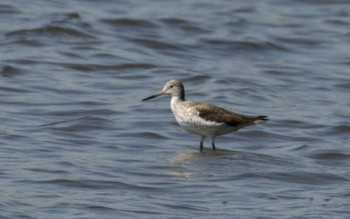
column 78, row 142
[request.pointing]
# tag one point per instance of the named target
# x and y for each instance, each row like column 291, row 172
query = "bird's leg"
column 213, row 143
column 201, row 145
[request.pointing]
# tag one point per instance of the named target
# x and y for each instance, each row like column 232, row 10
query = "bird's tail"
column 260, row 119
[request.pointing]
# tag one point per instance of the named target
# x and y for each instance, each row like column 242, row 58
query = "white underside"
column 199, row 126
column 188, row 118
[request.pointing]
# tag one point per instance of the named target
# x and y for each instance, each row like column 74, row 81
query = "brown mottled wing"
column 214, row 113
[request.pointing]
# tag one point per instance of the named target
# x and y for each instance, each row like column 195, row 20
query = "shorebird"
column 203, row 119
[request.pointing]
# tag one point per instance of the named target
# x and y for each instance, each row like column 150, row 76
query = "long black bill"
column 150, row 97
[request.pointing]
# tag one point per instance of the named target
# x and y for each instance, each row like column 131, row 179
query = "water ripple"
column 78, row 142
column 54, row 32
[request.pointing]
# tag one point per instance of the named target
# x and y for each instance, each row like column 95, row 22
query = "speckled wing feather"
column 213, row 113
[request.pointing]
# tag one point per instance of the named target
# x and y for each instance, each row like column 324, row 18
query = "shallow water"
column 77, row 142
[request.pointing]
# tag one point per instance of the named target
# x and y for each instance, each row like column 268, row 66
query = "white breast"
column 188, row 118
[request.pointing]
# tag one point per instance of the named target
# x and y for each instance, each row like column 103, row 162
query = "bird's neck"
column 175, row 100
column 178, row 96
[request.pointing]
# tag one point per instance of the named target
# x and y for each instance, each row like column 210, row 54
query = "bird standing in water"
column 203, row 119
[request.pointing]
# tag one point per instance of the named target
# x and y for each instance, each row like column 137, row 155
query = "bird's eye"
column 171, row 86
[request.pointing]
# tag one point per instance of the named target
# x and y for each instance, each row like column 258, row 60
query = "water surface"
column 77, row 142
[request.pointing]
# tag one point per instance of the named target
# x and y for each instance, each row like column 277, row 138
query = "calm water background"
column 77, row 142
